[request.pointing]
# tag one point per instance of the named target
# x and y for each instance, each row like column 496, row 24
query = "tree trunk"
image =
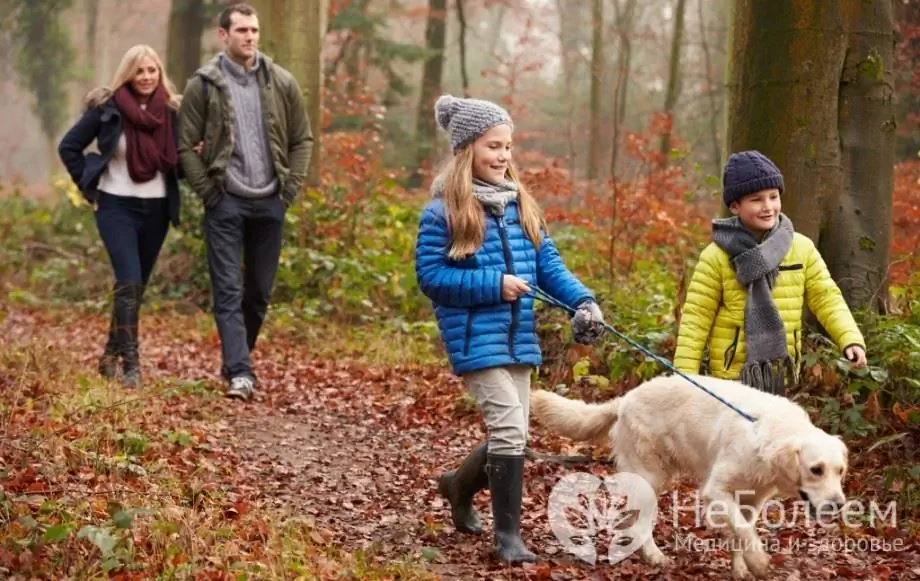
column 597, row 70
column 812, row 91
column 425, row 126
column 624, row 24
column 714, row 95
column 858, row 236
column 566, row 50
column 183, row 44
column 673, row 91
column 464, row 75
column 92, row 27
column 292, row 34
column 311, row 26
column 495, row 28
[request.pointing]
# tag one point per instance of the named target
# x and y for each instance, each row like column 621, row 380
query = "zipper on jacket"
column 509, row 264
column 730, row 352
column 795, row 343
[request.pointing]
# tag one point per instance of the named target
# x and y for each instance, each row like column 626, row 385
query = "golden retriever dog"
column 668, row 428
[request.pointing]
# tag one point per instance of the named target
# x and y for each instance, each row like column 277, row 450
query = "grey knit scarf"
column 493, row 197
column 768, row 366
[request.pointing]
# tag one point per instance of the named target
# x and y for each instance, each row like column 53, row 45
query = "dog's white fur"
column 669, row 428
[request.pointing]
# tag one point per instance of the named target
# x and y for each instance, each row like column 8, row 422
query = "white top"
column 117, row 181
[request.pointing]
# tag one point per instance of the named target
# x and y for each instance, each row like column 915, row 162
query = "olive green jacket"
column 206, row 115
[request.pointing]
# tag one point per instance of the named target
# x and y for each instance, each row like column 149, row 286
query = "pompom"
column 444, row 109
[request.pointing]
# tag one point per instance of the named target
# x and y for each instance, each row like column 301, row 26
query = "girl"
column 132, row 184
column 481, row 245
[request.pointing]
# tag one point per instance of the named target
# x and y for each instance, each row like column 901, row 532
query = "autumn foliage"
column 905, row 236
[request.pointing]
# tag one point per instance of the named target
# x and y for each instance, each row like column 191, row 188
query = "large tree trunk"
column 183, row 43
column 292, row 34
column 425, row 126
column 311, row 26
column 859, row 229
column 812, row 91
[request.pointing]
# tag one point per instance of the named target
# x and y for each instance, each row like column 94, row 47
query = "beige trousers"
column 503, row 397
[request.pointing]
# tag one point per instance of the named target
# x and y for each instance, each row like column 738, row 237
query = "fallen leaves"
column 333, row 469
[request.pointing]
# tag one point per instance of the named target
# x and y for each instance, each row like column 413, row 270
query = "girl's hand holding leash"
column 588, row 323
column 513, row 287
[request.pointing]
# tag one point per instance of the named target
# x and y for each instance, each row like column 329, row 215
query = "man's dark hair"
column 241, row 8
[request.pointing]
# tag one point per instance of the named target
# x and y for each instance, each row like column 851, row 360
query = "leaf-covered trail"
column 357, row 449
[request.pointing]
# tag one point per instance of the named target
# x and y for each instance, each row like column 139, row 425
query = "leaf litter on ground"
column 332, row 470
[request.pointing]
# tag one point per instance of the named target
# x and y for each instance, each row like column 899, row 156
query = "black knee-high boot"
column 128, row 301
column 461, row 485
column 506, row 483
column 108, row 362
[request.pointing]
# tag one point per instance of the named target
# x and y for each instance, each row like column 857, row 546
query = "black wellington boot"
column 108, row 362
column 506, row 483
column 128, row 301
column 461, row 485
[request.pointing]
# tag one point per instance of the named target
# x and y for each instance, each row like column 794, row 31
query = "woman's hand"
column 513, row 287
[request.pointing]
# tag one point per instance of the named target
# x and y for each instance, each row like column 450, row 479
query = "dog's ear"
column 786, row 458
column 843, row 446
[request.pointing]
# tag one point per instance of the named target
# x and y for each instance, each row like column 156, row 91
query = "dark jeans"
column 133, row 230
column 253, row 229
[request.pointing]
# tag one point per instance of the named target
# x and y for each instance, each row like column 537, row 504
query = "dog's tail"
column 572, row 418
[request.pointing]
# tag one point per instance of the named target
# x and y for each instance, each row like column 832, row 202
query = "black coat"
column 104, row 124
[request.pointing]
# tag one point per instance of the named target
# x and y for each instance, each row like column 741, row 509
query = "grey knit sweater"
column 250, row 172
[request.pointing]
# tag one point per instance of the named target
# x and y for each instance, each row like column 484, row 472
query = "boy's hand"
column 856, row 355
column 513, row 287
column 588, row 323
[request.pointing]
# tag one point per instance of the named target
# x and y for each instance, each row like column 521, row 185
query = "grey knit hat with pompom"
column 466, row 119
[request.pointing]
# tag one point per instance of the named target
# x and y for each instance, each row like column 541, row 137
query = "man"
column 244, row 144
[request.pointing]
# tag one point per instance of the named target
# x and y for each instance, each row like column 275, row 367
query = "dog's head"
column 813, row 467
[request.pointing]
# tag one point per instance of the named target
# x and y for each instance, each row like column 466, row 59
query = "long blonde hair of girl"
column 127, row 70
column 466, row 218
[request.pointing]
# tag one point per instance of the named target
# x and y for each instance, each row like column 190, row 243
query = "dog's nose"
column 835, row 504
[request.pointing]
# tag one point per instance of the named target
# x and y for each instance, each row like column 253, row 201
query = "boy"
column 748, row 291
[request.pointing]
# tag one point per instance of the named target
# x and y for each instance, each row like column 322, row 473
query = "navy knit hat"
column 747, row 172
column 466, row 119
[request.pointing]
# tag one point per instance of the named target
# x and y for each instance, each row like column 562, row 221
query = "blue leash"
column 542, row 295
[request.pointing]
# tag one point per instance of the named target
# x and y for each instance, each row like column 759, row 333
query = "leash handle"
column 542, row 295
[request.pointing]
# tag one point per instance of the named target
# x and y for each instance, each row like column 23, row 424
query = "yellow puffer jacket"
column 714, row 309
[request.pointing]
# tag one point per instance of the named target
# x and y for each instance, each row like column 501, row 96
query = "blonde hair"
column 125, row 73
column 466, row 220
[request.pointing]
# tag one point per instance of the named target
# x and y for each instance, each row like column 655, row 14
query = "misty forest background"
column 625, row 111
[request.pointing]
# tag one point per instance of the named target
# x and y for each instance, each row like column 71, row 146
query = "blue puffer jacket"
column 478, row 327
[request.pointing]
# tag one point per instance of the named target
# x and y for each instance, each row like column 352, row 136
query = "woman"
column 132, row 184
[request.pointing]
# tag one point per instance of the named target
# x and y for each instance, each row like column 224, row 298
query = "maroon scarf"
column 148, row 134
